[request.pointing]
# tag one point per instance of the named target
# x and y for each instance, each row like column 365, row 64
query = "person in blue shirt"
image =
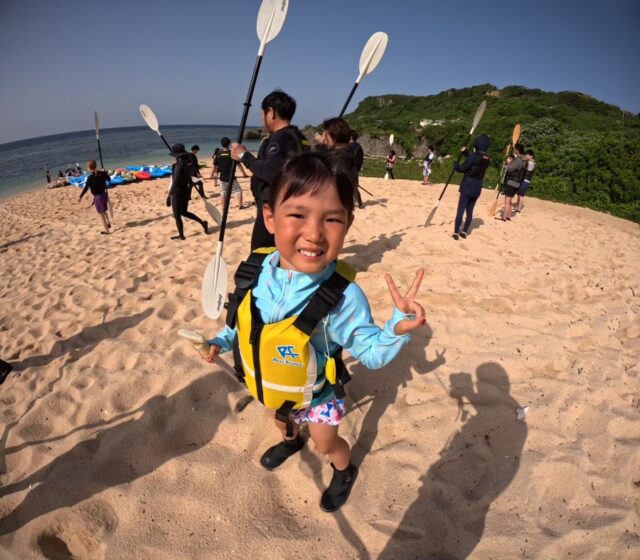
column 309, row 212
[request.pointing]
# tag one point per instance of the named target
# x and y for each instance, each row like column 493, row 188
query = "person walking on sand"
column 512, row 179
column 358, row 157
column 391, row 161
column 222, row 170
column 178, row 195
column 296, row 370
column 474, row 167
column 196, row 178
column 529, row 164
column 97, row 184
column 284, row 139
column 429, row 158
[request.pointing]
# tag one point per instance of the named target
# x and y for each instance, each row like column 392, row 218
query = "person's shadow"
column 169, row 427
column 361, row 257
column 447, row 519
column 379, row 389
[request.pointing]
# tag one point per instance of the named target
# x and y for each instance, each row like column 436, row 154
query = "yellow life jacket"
column 277, row 361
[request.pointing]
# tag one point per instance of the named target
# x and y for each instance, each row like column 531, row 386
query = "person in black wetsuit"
column 358, row 156
column 195, row 170
column 178, row 195
column 97, row 183
column 284, row 140
column 474, row 168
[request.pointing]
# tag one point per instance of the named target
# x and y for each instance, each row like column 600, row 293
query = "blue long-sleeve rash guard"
column 282, row 293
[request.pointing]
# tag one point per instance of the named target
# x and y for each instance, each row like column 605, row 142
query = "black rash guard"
column 272, row 154
column 97, row 182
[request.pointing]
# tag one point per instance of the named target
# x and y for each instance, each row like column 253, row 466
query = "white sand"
column 118, row 442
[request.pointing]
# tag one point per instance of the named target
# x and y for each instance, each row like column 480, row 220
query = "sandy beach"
column 119, row 442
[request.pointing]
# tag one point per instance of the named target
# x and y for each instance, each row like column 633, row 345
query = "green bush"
column 587, row 152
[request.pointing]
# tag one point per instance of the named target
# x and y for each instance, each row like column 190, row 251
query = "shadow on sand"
column 168, row 428
column 361, row 257
column 447, row 520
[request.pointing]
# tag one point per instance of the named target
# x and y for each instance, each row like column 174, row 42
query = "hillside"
column 588, row 152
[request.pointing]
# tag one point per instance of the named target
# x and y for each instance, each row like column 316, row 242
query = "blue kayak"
column 116, row 180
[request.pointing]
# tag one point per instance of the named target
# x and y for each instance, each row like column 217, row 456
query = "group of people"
column 518, row 170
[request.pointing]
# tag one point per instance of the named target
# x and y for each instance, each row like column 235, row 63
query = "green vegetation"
column 587, row 152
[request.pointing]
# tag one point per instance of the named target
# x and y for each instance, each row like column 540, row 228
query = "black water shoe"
column 336, row 495
column 463, row 235
column 455, row 236
column 279, row 453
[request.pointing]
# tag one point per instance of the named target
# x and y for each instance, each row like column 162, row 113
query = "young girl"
column 391, row 160
column 309, row 212
column 97, row 182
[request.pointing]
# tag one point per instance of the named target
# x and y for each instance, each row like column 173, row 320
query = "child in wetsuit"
column 97, row 183
column 310, row 210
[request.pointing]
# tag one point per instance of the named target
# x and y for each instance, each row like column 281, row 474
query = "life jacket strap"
column 245, row 278
column 323, row 301
column 283, row 414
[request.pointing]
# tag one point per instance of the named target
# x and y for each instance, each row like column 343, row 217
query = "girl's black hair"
column 311, row 172
column 338, row 129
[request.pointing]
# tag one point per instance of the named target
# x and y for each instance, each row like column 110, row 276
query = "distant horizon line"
column 92, row 131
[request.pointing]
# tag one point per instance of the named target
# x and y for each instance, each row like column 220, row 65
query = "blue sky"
column 191, row 60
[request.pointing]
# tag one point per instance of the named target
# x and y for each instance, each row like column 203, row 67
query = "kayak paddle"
column 515, row 136
column 271, row 17
column 369, row 59
column 476, row 121
column 152, row 122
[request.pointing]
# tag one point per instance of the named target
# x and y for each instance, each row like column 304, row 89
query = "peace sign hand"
column 407, row 304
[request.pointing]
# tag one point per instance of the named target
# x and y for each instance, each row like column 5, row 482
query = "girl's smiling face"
column 309, row 229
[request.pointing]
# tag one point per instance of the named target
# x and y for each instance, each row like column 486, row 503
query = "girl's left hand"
column 407, row 304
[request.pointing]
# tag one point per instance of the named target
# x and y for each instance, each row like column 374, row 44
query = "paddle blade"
column 270, row 20
column 213, row 212
column 97, row 123
column 214, row 287
column 494, row 207
column 372, row 53
column 478, row 116
column 516, row 135
column 149, row 117
column 391, row 139
column 431, row 215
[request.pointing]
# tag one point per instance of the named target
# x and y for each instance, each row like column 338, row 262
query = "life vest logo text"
column 287, row 356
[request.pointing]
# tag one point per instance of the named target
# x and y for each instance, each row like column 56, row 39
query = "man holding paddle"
column 284, row 140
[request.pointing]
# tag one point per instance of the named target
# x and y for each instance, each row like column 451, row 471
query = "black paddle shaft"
column 100, row 152
column 165, row 142
column 346, row 103
column 243, row 123
column 453, row 170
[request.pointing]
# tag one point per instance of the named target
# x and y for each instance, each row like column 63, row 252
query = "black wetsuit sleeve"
column 272, row 159
column 86, row 188
column 466, row 165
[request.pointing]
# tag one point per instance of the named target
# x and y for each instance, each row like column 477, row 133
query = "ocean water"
column 23, row 164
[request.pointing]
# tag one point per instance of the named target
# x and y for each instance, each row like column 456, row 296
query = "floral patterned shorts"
column 329, row 412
